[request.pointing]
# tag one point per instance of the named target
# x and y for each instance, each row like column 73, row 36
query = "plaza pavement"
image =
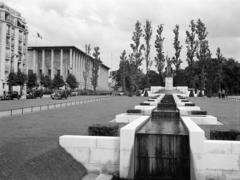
column 27, row 138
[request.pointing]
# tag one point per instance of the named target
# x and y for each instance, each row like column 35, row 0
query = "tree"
column 95, row 68
column 72, row 81
column 32, row 80
column 219, row 67
column 123, row 69
column 58, row 81
column 20, row 80
column 135, row 58
column 88, row 49
column 147, row 37
column 12, row 80
column 159, row 59
column 192, row 45
column 176, row 60
column 87, row 66
column 46, row 81
column 203, row 54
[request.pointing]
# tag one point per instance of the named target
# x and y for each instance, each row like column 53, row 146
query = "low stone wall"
column 126, row 117
column 212, row 159
column 96, row 153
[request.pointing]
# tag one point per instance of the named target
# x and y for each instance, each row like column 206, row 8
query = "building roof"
column 64, row 47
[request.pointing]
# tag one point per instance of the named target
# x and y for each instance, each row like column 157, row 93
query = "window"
column 58, row 71
column 40, row 71
column 30, row 71
column 49, row 72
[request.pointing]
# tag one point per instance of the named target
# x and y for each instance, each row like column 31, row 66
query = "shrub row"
column 135, row 111
column 225, row 135
column 199, row 112
column 144, row 104
column 103, row 130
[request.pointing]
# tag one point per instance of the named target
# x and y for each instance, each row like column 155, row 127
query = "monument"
column 169, row 76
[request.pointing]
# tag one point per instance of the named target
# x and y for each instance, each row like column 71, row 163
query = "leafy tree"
column 154, row 78
column 58, row 81
column 203, row 54
column 20, row 80
column 32, row 80
column 123, row 69
column 46, row 81
column 159, row 59
column 192, row 45
column 71, row 81
column 135, row 58
column 147, row 37
column 87, row 66
column 95, row 68
column 176, row 60
column 12, row 80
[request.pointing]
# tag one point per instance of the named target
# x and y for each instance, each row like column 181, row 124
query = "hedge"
column 233, row 135
column 199, row 112
column 189, row 104
column 135, row 111
column 144, row 104
column 103, row 130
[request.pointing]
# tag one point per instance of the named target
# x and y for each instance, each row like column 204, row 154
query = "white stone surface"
column 205, row 119
column 146, row 110
column 184, row 110
column 96, row 153
column 126, row 117
column 212, row 159
column 127, row 137
column 168, row 83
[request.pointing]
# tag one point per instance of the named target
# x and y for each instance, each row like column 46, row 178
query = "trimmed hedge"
column 225, row 135
column 184, row 100
column 144, row 104
column 145, row 94
column 189, row 104
column 135, row 111
column 199, row 112
column 103, row 130
column 191, row 94
column 151, row 100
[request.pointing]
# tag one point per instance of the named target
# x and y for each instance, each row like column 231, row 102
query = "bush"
column 184, row 100
column 47, row 91
column 199, row 112
column 103, row 130
column 151, row 100
column 200, row 94
column 144, row 104
column 225, row 135
column 138, row 93
column 191, row 94
column 137, row 111
column 189, row 104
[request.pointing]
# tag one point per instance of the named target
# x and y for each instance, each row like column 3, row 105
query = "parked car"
column 11, row 95
column 34, row 94
column 59, row 94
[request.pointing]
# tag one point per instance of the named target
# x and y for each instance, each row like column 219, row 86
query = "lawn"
column 23, row 139
column 227, row 112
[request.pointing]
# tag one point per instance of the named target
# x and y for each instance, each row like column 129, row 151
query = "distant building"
column 50, row 60
column 13, row 44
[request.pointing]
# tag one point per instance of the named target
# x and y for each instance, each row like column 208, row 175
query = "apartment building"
column 13, row 44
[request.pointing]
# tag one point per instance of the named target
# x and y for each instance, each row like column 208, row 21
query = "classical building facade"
column 50, row 60
column 13, row 44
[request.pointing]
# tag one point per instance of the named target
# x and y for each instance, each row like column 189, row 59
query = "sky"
column 109, row 24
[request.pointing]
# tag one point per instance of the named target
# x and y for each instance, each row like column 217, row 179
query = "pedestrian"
column 223, row 93
column 219, row 93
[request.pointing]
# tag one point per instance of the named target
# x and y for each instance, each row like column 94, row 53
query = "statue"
column 168, row 69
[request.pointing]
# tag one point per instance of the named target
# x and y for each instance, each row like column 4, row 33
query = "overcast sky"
column 110, row 23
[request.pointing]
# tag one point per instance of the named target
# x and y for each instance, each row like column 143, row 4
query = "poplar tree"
column 147, row 37
column 176, row 44
column 95, row 68
column 123, row 67
column 159, row 59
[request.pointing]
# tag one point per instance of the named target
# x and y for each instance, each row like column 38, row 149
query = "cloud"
column 110, row 23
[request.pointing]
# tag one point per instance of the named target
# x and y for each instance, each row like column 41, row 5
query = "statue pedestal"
column 168, row 83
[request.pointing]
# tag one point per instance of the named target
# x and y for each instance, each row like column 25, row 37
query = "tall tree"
column 86, row 73
column 95, row 67
column 88, row 49
column 219, row 67
column 123, row 67
column 192, row 45
column 135, row 58
column 176, row 44
column 32, row 80
column 159, row 59
column 20, row 80
column 203, row 54
column 147, row 36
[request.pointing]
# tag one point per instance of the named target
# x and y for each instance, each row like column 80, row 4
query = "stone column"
column 61, row 62
column 43, row 62
column 34, row 61
column 52, row 63
column 70, row 58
